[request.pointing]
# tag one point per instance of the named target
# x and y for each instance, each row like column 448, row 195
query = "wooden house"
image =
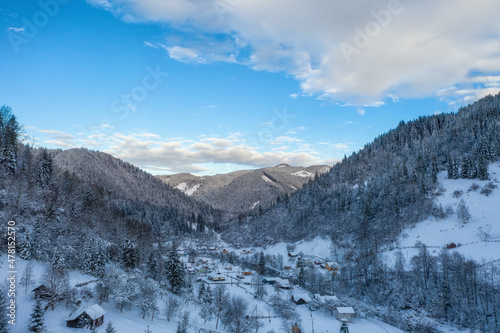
column 345, row 314
column 225, row 251
column 300, row 299
column 287, row 268
column 246, row 273
column 89, row 318
column 292, row 254
column 41, row 292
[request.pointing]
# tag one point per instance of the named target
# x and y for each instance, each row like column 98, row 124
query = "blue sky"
column 213, row 86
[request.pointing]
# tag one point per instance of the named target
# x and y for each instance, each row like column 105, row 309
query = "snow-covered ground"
column 485, row 215
column 130, row 321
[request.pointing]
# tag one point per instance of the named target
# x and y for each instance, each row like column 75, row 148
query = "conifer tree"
column 152, row 267
column 37, row 321
column 25, row 248
column 110, row 328
column 130, row 254
column 174, row 270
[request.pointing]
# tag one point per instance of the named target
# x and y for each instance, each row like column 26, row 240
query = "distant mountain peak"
column 282, row 165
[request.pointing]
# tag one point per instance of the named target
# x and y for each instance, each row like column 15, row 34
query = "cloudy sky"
column 211, row 86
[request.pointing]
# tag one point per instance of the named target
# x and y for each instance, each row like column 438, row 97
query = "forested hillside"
column 387, row 186
column 61, row 200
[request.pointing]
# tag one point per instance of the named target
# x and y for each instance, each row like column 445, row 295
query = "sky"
column 214, row 86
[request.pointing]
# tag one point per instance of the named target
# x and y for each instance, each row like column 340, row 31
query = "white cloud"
column 151, row 152
column 422, row 47
column 185, row 54
column 14, row 29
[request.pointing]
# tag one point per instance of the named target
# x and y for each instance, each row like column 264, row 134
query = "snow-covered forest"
column 93, row 229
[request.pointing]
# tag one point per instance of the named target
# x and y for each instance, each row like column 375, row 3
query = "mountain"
column 244, row 191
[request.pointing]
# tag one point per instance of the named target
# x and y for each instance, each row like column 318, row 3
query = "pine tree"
column 110, row 328
column 10, row 131
column 45, row 168
column 37, row 321
column 200, row 224
column 482, row 168
column 174, row 270
column 450, row 167
column 25, row 248
column 130, row 254
column 261, row 266
column 434, row 170
column 152, row 266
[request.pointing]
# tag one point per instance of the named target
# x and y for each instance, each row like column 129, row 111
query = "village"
column 239, row 272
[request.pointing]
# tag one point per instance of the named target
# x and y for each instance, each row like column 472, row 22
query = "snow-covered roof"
column 282, row 282
column 94, row 312
column 305, row 297
column 346, row 310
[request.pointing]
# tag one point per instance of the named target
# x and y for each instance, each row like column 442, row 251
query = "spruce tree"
column 152, row 266
column 110, row 328
column 130, row 254
column 37, row 321
column 25, row 248
column 174, row 270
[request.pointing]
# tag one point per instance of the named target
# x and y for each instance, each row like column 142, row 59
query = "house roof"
column 94, row 312
column 305, row 297
column 345, row 310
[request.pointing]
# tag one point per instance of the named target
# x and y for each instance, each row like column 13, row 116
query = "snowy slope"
column 485, row 215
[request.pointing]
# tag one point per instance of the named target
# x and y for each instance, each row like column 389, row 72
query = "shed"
column 346, row 313
column 89, row 318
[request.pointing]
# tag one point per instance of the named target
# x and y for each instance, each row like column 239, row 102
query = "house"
column 283, row 283
column 270, row 281
column 300, row 299
column 287, row 268
column 345, row 314
column 292, row 254
column 332, row 266
column 90, row 318
column 246, row 273
column 216, row 277
column 228, row 268
column 42, row 292
column 225, row 251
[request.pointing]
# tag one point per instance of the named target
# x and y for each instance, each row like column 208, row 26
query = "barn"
column 89, row 318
